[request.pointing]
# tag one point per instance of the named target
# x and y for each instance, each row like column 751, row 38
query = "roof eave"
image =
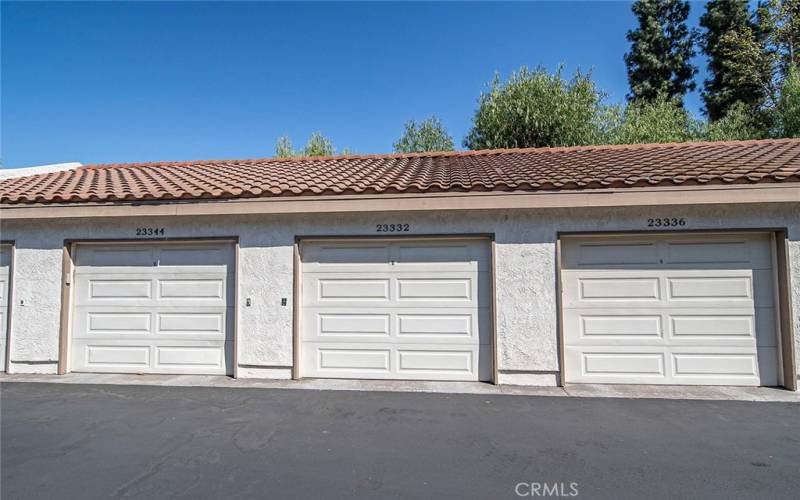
column 788, row 192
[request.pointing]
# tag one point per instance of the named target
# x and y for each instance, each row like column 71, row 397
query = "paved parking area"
column 125, row 441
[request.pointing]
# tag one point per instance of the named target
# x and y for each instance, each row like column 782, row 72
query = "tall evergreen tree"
column 659, row 62
column 738, row 64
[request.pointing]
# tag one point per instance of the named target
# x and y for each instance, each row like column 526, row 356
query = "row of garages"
column 641, row 308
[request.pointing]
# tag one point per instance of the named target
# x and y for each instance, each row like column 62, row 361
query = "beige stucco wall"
column 525, row 272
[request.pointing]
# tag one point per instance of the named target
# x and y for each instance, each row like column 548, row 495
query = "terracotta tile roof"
column 572, row 168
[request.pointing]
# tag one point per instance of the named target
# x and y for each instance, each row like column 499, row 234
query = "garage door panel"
column 346, row 289
column 706, row 289
column 192, row 289
column 714, row 326
column 336, row 257
column 710, row 288
column 114, row 259
column 719, row 252
column 410, row 310
column 455, row 362
column 114, row 323
column 436, row 325
column 618, row 325
column 703, row 315
column 344, row 325
column 611, row 253
column 115, row 289
column 715, row 364
column 442, row 257
column 195, row 259
column 191, row 323
column 622, row 364
column 350, row 359
column 651, row 365
column 451, row 289
column 595, row 289
column 392, row 325
column 113, row 356
column 387, row 361
column 171, row 319
column 408, row 290
column 190, row 358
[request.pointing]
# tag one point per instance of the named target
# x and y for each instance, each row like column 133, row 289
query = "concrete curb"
column 714, row 393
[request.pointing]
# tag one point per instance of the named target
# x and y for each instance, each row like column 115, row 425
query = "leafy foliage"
column 283, row 148
column 659, row 120
column 738, row 124
column 788, row 108
column 661, row 49
column 536, row 109
column 317, row 145
column 428, row 135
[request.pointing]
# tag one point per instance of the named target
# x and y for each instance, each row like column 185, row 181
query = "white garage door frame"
column 8, row 297
column 297, row 292
column 787, row 373
column 67, row 280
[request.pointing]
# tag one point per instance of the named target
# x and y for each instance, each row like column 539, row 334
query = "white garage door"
column 153, row 308
column 5, row 287
column 396, row 309
column 670, row 309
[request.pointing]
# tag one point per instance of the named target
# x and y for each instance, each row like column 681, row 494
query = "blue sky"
column 122, row 82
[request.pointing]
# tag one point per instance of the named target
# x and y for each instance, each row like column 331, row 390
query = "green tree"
column 651, row 121
column 738, row 124
column 738, row 64
column 283, row 148
column 780, row 22
column 661, row 49
column 317, row 145
column 427, row 135
column 536, row 109
column 788, row 108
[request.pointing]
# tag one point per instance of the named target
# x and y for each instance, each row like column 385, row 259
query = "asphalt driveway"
column 81, row 441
